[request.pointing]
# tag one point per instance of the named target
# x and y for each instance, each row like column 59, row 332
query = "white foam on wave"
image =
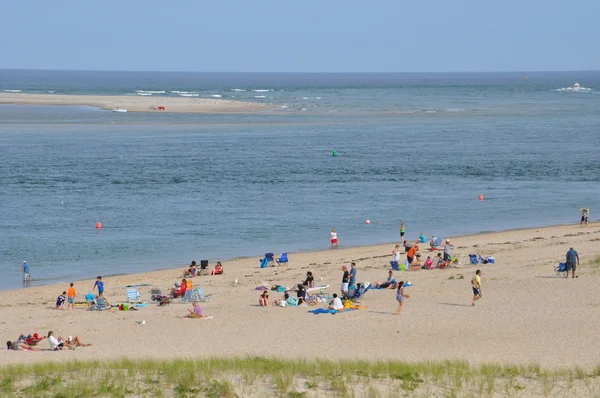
column 259, row 96
column 304, row 98
column 189, row 95
column 12, row 91
column 237, row 89
column 573, row 89
column 179, row 92
column 149, row 92
column 51, row 91
column 144, row 94
column 262, row 90
column 216, row 95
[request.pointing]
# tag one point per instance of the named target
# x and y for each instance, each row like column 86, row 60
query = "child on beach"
column 60, row 301
column 334, row 238
column 396, row 253
column 585, row 212
column 71, row 296
column 100, row 285
column 263, row 300
column 476, row 282
column 402, row 231
column 345, row 280
column 400, row 296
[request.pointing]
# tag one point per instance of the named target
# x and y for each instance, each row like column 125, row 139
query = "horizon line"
column 289, row 72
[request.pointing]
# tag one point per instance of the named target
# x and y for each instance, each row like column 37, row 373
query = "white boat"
column 576, row 87
column 120, row 110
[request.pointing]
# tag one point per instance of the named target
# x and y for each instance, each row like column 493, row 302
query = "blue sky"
column 301, row 36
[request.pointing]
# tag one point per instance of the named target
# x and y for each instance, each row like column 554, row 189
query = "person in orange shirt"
column 410, row 256
column 71, row 297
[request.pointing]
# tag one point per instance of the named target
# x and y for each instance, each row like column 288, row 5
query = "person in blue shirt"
column 26, row 273
column 572, row 262
column 100, row 285
column 422, row 238
column 352, row 283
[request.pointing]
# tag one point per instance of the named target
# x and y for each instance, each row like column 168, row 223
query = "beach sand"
column 134, row 103
column 527, row 314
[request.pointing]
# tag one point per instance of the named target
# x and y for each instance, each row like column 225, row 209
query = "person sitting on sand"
column 422, row 238
column 195, row 311
column 19, row 345
column 439, row 261
column 60, row 301
column 310, row 280
column 428, row 263
column 179, row 289
column 389, row 283
column 59, row 343
column 290, row 300
column 301, row 292
column 218, row 270
column 263, row 300
column 336, row 303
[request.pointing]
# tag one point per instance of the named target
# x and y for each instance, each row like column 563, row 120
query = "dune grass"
column 255, row 376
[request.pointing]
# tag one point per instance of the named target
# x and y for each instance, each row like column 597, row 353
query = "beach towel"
column 332, row 312
column 261, row 288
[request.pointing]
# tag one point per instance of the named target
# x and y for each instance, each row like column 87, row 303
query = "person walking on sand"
column 402, row 231
column 448, row 250
column 400, row 296
column 585, row 212
column 396, row 253
column 71, row 297
column 476, row 282
column 572, row 262
column 26, row 272
column 334, row 238
column 100, row 285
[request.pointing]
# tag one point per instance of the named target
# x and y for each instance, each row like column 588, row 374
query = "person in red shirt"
column 179, row 289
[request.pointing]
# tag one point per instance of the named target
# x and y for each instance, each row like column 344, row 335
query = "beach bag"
column 347, row 304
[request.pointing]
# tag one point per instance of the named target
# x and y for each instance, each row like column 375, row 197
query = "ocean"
column 171, row 188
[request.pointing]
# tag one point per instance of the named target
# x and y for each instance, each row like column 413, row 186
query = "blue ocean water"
column 169, row 188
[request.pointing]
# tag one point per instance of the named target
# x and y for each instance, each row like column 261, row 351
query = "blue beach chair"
column 132, row 295
column 283, row 259
column 562, row 267
column 395, row 265
column 473, row 258
column 270, row 258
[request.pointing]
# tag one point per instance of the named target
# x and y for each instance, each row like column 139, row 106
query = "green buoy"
column 334, row 153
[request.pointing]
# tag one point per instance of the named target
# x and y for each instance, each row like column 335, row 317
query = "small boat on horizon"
column 576, row 87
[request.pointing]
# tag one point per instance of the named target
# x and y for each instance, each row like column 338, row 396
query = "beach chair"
column 473, row 259
column 200, row 294
column 283, row 259
column 562, row 267
column 270, row 259
column 395, row 265
column 133, row 295
column 100, row 305
column 435, row 244
column 155, row 292
column 204, row 267
column 190, row 296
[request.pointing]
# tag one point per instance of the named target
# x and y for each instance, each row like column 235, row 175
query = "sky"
column 301, row 36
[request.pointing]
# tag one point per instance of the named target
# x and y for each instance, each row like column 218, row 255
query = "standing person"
column 100, row 285
column 410, row 256
column 585, row 212
column 572, row 262
column 400, row 296
column 26, row 272
column 352, row 282
column 345, row 280
column 447, row 250
column 334, row 238
column 402, row 231
column 71, row 297
column 396, row 253
column 476, row 282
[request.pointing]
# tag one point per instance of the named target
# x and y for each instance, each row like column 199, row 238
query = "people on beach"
column 218, row 270
column 179, row 289
column 263, row 300
column 60, row 301
column 402, row 231
column 90, row 299
column 100, row 285
column 476, row 283
column 448, row 250
column 301, row 292
column 71, row 296
column 352, row 281
column 439, row 262
column 400, row 296
column 19, row 345
column 428, row 263
column 334, row 238
column 585, row 212
column 26, row 271
column 396, row 253
column 310, row 280
column 336, row 303
column 572, row 258
column 422, row 238
column 390, row 282
column 345, row 280
column 59, row 343
column 410, row 256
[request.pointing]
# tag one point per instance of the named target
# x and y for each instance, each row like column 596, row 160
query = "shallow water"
column 170, row 188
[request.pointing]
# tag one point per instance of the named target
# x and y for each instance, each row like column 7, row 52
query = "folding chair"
column 562, row 267
column 283, row 259
column 132, row 295
column 270, row 259
column 395, row 265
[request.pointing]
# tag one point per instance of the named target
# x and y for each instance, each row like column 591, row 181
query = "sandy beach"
column 134, row 103
column 526, row 315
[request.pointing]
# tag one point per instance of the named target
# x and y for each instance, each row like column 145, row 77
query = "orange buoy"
column 98, row 225
column 480, row 197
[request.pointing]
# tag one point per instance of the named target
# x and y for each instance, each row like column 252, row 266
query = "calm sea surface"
column 170, row 188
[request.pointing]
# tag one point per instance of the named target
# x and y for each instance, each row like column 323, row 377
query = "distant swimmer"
column 585, row 212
